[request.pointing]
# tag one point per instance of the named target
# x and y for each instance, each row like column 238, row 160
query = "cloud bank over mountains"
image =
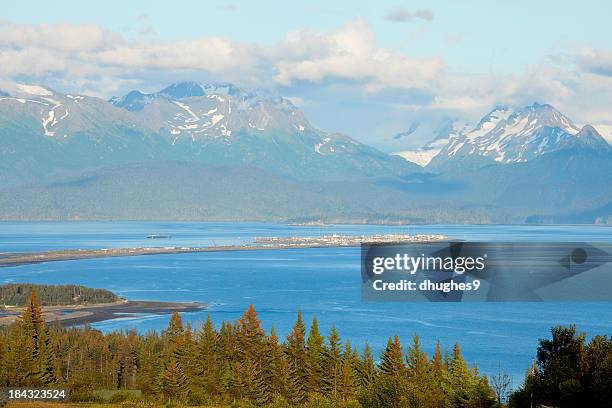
column 307, row 65
column 87, row 54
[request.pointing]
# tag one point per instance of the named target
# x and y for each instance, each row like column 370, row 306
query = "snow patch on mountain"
column 186, row 108
column 420, row 157
column 216, row 118
column 34, row 90
column 489, row 122
column 52, row 119
column 448, row 131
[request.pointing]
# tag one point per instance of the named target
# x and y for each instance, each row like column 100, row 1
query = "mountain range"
column 507, row 136
column 216, row 151
column 46, row 133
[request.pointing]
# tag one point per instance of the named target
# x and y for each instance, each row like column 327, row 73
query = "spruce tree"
column 228, row 348
column 250, row 335
column 366, row 369
column 296, row 356
column 173, row 381
column 188, row 358
column 427, row 388
column 16, row 366
column 175, row 328
column 33, row 355
column 437, row 363
column 392, row 361
column 251, row 345
column 460, row 378
column 332, row 365
column 417, row 360
column 269, row 375
column 148, row 363
column 208, row 363
column 278, row 367
column 347, row 384
column 439, row 377
column 459, row 371
column 314, row 357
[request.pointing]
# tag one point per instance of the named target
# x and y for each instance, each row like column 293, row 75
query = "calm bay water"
column 324, row 281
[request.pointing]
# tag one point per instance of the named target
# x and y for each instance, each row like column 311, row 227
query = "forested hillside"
column 237, row 365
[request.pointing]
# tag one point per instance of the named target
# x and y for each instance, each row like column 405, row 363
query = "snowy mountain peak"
column 137, row 100
column 181, row 90
column 546, row 115
column 590, row 137
column 192, row 113
column 188, row 89
column 54, row 114
column 508, row 135
column 490, row 121
column 503, row 122
column 132, row 101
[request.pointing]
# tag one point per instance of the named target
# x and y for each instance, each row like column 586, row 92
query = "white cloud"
column 89, row 52
column 58, row 37
column 596, row 61
column 350, row 52
column 400, row 15
column 296, row 100
column 212, row 54
column 95, row 58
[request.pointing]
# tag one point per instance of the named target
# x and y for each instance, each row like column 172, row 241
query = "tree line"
column 238, row 364
column 569, row 372
column 17, row 294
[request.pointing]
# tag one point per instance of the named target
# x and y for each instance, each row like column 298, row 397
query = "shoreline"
column 78, row 315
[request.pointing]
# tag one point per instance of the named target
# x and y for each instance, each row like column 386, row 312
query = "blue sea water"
column 323, row 281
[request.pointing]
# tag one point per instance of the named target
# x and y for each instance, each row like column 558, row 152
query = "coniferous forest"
column 569, row 372
column 18, row 294
column 237, row 364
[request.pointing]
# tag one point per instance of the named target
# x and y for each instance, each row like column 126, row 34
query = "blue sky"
column 473, row 36
column 409, row 61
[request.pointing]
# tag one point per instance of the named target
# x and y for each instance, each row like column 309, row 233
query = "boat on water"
column 157, row 236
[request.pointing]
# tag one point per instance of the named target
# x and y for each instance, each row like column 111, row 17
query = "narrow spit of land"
column 76, row 315
column 270, row 243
